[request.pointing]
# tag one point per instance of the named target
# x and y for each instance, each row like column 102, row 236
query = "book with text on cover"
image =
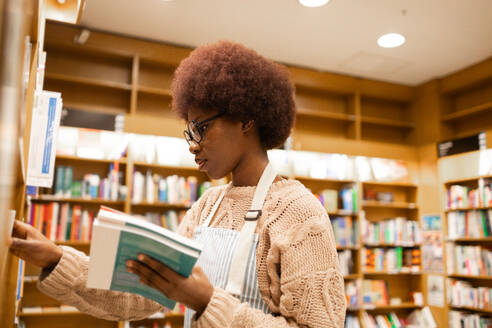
column 118, row 237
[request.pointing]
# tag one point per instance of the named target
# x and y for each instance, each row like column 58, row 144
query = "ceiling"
column 443, row 36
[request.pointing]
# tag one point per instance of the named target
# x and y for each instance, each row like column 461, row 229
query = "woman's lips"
column 201, row 163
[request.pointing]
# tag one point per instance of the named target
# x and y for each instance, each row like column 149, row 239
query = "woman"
column 269, row 257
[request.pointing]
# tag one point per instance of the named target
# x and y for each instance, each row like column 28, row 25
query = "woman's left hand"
column 194, row 292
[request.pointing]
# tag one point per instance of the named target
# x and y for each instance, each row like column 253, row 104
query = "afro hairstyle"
column 228, row 77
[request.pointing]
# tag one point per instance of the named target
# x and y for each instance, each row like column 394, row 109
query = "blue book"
column 118, row 237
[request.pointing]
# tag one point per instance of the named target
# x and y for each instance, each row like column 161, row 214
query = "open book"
column 118, row 237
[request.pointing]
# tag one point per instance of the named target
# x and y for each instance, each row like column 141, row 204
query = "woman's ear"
column 247, row 126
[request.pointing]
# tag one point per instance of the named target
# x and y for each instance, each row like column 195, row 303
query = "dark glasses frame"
column 198, row 127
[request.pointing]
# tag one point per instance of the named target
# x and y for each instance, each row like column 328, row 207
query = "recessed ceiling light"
column 313, row 3
column 391, row 40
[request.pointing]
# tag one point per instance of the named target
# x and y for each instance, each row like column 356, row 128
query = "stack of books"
column 346, row 261
column 346, row 230
column 352, row 292
column 391, row 260
column 391, row 231
column 173, row 189
column 61, row 222
column 470, row 224
column 92, row 186
column 468, row 320
column 461, row 293
column 465, row 197
column 375, row 292
column 468, row 260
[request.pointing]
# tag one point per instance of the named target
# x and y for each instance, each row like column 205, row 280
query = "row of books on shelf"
column 391, row 231
column 416, row 319
column 346, row 260
column 62, row 222
column 463, row 294
column 470, row 224
column 468, row 260
column 352, row 321
column 465, row 197
column 173, row 189
column 66, row 222
column 460, row 319
column 169, row 219
column 346, row 230
column 334, row 200
column 91, row 186
column 391, row 260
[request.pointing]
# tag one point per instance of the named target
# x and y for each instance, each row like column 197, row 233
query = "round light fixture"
column 391, row 40
column 313, row 3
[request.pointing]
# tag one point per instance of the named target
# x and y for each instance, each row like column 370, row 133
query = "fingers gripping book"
column 118, row 237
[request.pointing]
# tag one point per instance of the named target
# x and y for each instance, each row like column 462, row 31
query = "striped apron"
column 228, row 258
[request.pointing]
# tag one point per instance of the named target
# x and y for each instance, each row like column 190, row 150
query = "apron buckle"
column 252, row 215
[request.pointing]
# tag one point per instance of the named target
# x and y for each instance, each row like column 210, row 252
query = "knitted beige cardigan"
column 298, row 272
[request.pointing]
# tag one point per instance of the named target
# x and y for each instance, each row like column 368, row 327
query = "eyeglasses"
column 194, row 130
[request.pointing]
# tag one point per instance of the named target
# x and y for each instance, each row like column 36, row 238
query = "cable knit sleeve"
column 67, row 283
column 305, row 286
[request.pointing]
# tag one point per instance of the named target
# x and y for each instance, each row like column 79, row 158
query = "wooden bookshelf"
column 472, row 309
column 392, row 307
column 468, row 209
column 399, row 282
column 464, row 276
column 474, row 280
column 402, row 205
column 88, row 81
column 95, row 201
column 462, row 113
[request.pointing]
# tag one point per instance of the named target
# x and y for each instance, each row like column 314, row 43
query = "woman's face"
column 221, row 146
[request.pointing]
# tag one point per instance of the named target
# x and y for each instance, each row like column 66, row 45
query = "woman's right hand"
column 30, row 245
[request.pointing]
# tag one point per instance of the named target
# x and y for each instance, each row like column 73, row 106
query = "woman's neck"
column 249, row 169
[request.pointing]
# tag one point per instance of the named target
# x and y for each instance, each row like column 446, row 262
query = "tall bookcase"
column 467, row 227
column 397, row 200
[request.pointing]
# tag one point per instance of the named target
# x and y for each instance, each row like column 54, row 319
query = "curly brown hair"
column 229, row 77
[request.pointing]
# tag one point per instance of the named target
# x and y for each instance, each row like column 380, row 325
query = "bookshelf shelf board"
column 154, row 91
column 88, row 81
column 402, row 205
column 387, row 122
column 409, row 245
column 391, row 307
column 169, row 167
column 465, row 276
column 51, row 198
column 464, row 180
column 77, row 243
column 390, row 183
column 467, row 308
column 351, row 247
column 89, row 160
column 54, row 313
column 342, row 213
column 308, row 112
column 468, row 209
column 352, row 276
column 305, row 178
column 353, row 309
column 467, row 112
column 471, row 240
column 161, row 205
column 390, row 273
column 173, row 318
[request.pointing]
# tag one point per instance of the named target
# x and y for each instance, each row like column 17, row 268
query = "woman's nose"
column 194, row 147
